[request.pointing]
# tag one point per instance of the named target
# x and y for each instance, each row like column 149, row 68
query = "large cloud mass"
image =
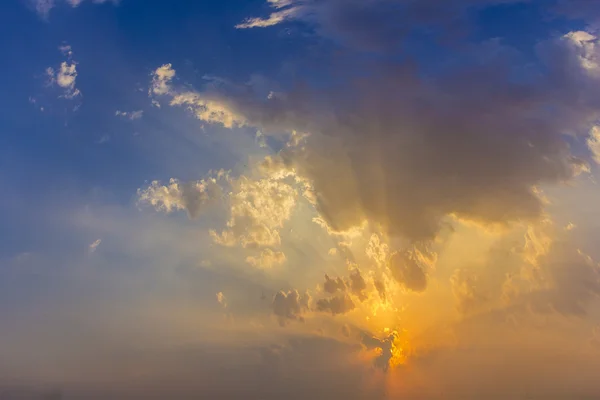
column 405, row 150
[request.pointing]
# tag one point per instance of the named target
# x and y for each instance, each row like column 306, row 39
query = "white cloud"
column 161, row 80
column 193, row 197
column 208, row 107
column 593, row 143
column 273, row 19
column 586, row 47
column 65, row 76
column 131, row 115
column 209, row 110
column 259, row 209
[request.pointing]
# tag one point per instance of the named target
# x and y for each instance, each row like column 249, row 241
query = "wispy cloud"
column 130, row 115
column 94, row 246
column 44, row 7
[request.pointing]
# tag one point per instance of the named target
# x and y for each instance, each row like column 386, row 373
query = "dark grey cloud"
column 339, row 304
column 290, row 306
column 358, row 285
column 380, row 286
column 384, row 345
column 333, row 285
column 408, row 272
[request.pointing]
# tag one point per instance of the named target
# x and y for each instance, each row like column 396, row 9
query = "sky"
column 299, row 199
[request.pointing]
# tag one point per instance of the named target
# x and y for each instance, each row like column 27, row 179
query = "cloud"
column 267, row 259
column 161, row 80
column 207, row 107
column 130, row 115
column 94, row 246
column 380, row 287
column 373, row 25
column 339, row 304
column 258, row 209
column 358, row 285
column 385, row 346
column 408, row 271
column 568, row 281
column 192, row 197
column 355, row 284
column 65, row 76
column 221, row 299
column 377, row 250
column 273, row 19
column 333, row 285
column 43, row 7
column 66, row 50
column 456, row 151
column 593, row 143
column 468, row 295
column 290, row 306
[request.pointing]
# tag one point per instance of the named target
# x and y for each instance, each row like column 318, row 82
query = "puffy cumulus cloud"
column 407, row 151
column 259, row 209
column 585, row 46
column 267, row 259
column 130, row 115
column 333, row 285
column 339, row 304
column 377, row 250
column 290, row 306
column 355, row 284
column 161, row 80
column 193, row 197
column 43, row 7
column 65, row 76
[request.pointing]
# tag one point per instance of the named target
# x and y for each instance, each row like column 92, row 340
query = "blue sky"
column 299, row 199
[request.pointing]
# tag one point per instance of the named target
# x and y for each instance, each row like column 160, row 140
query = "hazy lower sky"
column 299, row 199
